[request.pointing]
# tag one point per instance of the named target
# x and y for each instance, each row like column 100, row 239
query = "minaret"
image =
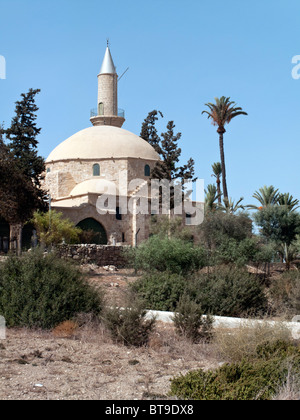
column 107, row 110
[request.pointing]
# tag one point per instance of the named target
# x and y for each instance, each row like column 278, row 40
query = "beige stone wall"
column 134, row 229
column 65, row 175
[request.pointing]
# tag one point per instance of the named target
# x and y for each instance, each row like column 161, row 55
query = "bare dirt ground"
column 84, row 364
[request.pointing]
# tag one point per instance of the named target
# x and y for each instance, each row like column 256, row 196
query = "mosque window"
column 48, row 170
column 118, row 214
column 147, row 170
column 96, row 169
column 101, row 108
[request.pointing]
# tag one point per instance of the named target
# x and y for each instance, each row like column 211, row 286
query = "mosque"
column 103, row 159
column 100, row 177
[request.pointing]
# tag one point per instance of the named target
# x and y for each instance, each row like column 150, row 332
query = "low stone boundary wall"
column 95, row 254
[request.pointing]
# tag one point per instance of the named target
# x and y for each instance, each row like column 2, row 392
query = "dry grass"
column 79, row 361
column 235, row 344
column 88, row 365
column 290, row 390
column 66, row 329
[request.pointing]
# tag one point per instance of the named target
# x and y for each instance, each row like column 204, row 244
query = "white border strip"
column 228, row 322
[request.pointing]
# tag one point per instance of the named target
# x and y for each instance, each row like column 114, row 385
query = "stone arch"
column 4, row 236
column 93, row 232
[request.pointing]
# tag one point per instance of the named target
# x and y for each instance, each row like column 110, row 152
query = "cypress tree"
column 167, row 147
column 23, row 134
column 21, row 168
column 149, row 131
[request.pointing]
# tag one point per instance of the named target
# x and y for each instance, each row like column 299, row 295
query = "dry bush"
column 242, row 342
column 290, row 390
column 66, row 329
column 91, row 329
column 284, row 293
column 169, row 345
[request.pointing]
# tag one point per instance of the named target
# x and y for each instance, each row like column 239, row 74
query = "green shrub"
column 228, row 291
column 167, row 254
column 190, row 322
column 42, row 291
column 160, row 291
column 224, row 291
column 245, row 380
column 129, row 325
column 53, row 228
column 229, row 239
column 218, row 225
column 241, row 252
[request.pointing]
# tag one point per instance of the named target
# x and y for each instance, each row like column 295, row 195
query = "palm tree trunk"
column 221, row 131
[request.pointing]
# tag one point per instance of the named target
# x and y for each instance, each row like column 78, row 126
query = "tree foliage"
column 278, row 223
column 149, row 131
column 53, row 228
column 21, row 168
column 217, row 173
column 167, row 147
column 266, row 196
column 22, row 136
column 221, row 113
column 167, row 254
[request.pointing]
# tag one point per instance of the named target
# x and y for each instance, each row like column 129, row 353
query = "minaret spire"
column 107, row 110
column 108, row 63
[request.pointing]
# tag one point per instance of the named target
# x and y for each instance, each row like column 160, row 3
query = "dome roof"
column 103, row 142
column 96, row 186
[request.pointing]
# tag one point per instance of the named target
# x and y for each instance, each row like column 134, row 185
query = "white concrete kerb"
column 2, row 328
column 228, row 322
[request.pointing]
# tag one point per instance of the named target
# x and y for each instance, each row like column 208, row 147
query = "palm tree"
column 267, row 196
column 231, row 207
column 217, row 173
column 288, row 200
column 211, row 196
column 221, row 113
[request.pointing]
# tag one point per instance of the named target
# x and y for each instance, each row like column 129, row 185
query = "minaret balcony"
column 115, row 120
column 95, row 113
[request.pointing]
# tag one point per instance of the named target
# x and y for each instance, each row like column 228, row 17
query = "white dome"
column 103, row 142
column 96, row 186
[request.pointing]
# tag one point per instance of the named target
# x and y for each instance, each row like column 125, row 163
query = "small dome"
column 103, row 142
column 96, row 186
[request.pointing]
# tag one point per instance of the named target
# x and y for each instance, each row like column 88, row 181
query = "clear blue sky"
column 180, row 54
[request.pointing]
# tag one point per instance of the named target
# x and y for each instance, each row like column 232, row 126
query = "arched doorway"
column 4, row 236
column 93, row 232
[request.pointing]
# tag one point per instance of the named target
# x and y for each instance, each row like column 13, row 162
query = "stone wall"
column 63, row 176
column 101, row 255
